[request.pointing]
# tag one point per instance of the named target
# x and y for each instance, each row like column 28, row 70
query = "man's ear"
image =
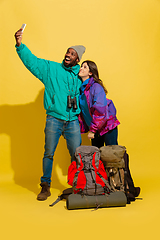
column 77, row 60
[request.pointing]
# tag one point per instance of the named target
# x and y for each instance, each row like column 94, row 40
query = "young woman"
column 98, row 115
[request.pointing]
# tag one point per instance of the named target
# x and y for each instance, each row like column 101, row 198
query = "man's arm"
column 37, row 66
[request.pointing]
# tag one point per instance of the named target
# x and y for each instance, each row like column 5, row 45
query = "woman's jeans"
column 109, row 138
column 53, row 130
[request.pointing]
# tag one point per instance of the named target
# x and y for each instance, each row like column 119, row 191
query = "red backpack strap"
column 80, row 161
column 95, row 163
column 71, row 172
column 79, row 180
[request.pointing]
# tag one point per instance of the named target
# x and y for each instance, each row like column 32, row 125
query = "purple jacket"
column 101, row 109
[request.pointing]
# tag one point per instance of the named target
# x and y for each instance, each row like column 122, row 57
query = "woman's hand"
column 90, row 135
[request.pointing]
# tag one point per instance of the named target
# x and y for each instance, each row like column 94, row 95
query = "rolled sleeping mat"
column 114, row 199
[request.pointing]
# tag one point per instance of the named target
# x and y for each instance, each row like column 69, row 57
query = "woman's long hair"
column 94, row 70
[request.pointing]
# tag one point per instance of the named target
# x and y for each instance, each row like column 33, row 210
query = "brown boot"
column 45, row 192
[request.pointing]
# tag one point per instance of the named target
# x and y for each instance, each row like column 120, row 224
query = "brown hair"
column 94, row 70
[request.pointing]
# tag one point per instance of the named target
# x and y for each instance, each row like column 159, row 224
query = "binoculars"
column 71, row 101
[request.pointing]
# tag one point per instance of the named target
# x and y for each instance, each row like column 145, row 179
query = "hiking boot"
column 45, row 192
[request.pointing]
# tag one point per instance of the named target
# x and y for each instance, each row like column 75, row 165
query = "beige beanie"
column 80, row 49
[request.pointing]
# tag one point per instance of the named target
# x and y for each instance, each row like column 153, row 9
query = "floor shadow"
column 25, row 125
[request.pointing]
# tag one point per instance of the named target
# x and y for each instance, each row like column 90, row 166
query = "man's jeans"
column 53, row 130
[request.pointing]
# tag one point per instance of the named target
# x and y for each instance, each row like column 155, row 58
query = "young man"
column 61, row 101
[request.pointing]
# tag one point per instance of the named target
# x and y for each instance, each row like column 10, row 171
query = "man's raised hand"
column 18, row 35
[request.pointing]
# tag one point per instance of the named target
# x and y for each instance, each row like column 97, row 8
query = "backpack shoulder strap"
column 105, row 181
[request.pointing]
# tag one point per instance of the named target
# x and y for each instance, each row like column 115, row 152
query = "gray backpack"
column 87, row 174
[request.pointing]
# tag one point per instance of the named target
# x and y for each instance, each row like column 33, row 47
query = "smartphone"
column 23, row 27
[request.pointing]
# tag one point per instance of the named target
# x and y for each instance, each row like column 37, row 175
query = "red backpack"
column 87, row 174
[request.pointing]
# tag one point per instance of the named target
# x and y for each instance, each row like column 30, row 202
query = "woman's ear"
column 90, row 74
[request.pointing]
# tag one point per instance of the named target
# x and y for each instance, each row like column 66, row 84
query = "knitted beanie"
column 80, row 49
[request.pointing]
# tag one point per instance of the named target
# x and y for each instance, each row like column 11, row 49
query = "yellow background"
column 123, row 38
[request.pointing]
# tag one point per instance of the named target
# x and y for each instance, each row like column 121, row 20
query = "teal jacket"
column 59, row 82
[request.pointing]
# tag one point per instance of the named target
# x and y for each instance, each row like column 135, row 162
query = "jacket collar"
column 74, row 69
column 90, row 83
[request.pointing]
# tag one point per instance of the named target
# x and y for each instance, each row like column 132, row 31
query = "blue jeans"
column 53, row 130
